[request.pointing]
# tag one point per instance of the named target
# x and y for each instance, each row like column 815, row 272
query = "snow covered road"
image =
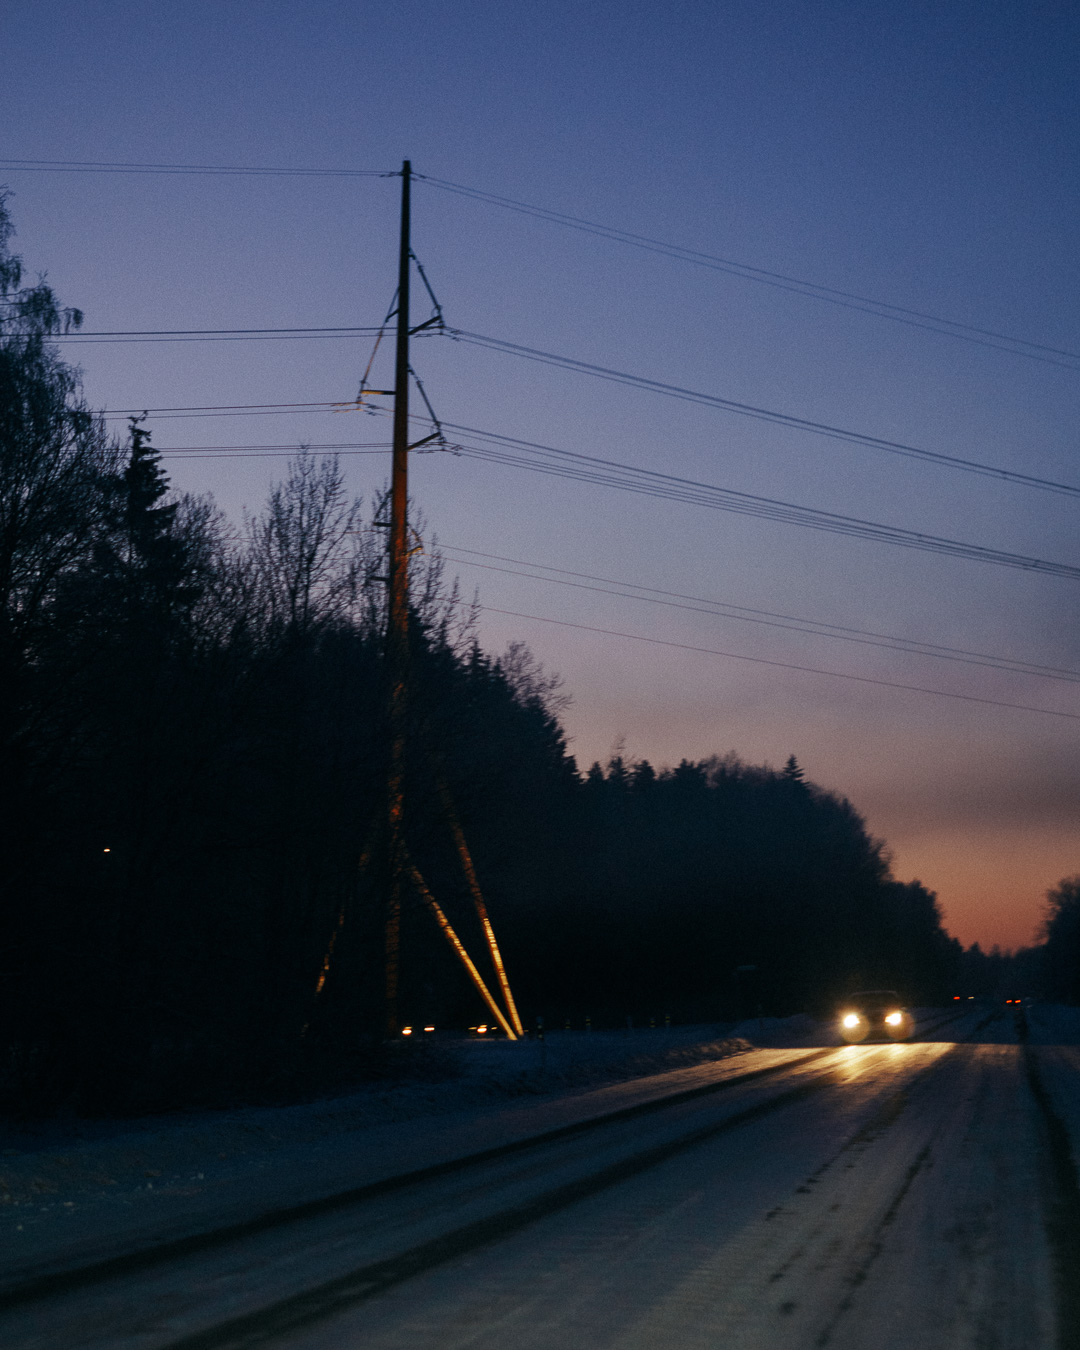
column 918, row 1195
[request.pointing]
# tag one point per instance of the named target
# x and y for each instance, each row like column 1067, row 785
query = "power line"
column 229, row 410
column 204, row 332
column 622, row 377
column 606, row 373
column 243, row 170
column 795, row 623
column 227, row 407
column 547, row 459
column 325, row 447
column 264, row 454
column 649, row 482
column 761, row 414
column 782, row 665
column 211, row 335
column 616, row 376
column 225, row 412
column 222, row 452
column 727, row 610
column 935, row 323
column 674, row 599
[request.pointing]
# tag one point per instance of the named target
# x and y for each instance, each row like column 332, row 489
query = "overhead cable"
column 650, row 482
column 243, row 170
column 782, row 665
column 550, row 460
column 606, row 373
column 762, row 414
column 727, row 610
column 229, row 410
column 220, row 452
column 211, row 335
column 935, row 323
column 293, row 447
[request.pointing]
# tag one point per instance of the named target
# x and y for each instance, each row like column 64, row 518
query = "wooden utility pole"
column 402, row 873
column 397, row 629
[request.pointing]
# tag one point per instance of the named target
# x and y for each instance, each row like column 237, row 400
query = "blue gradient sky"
column 924, row 154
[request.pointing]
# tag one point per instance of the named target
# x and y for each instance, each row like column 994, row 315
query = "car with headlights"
column 875, row 1014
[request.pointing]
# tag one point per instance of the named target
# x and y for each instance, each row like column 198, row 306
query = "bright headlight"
column 894, row 1019
column 851, row 1020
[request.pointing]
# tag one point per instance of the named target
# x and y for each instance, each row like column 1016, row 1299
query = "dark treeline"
column 1053, row 969
column 674, row 881
column 191, row 758
column 1049, row 970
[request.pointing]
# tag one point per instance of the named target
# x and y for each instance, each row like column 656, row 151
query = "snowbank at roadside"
column 70, row 1175
column 75, row 1184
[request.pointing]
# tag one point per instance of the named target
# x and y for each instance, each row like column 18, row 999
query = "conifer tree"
column 145, row 560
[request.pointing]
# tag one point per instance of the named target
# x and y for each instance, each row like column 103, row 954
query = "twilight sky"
column 923, row 154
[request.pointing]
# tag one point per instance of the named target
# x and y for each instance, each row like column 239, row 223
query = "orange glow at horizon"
column 991, row 883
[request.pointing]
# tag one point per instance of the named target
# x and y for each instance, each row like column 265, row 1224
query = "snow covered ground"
column 77, row 1186
column 69, row 1180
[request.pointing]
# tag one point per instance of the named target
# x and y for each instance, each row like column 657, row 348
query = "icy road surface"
column 918, row 1195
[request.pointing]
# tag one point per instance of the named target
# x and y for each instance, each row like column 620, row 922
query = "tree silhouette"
column 191, row 748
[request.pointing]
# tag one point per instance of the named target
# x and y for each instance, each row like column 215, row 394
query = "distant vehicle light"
column 406, row 1031
column 482, row 1029
column 851, row 1020
column 956, row 998
column 894, row 1019
column 429, row 1028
